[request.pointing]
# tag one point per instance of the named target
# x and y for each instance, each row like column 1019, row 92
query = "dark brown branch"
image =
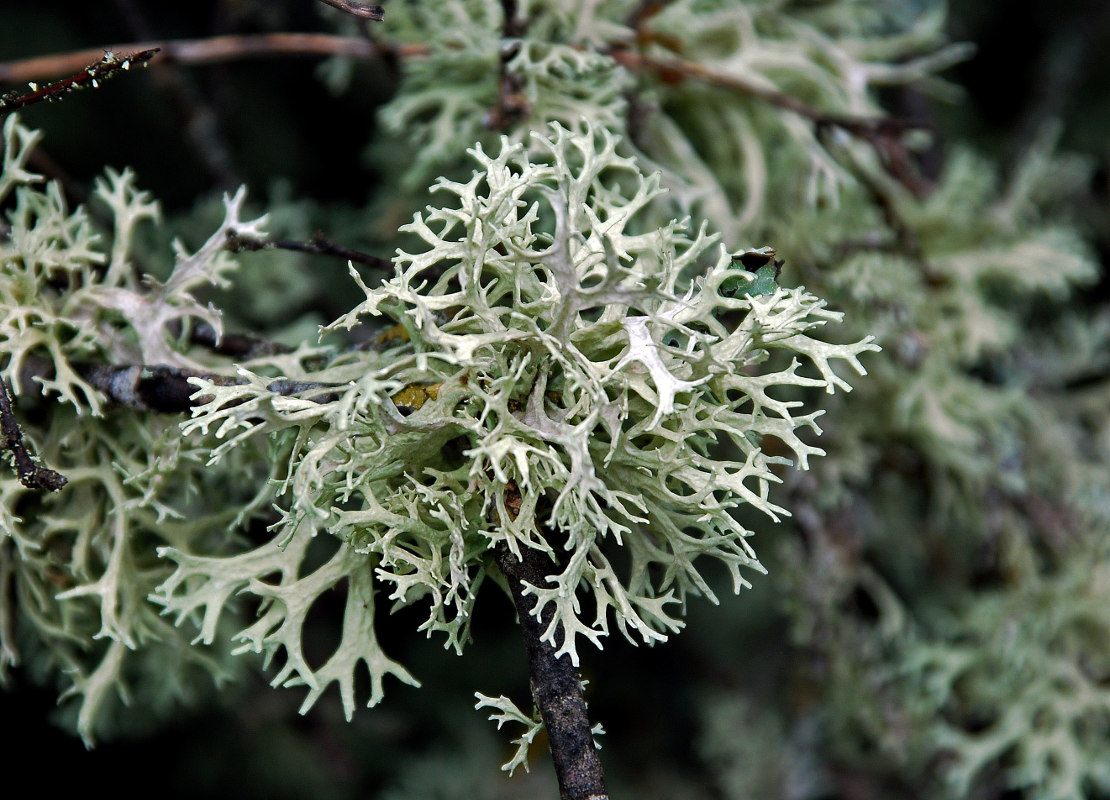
column 360, row 10
column 32, row 474
column 158, row 389
column 512, row 105
column 512, row 26
column 556, row 685
column 319, row 245
column 109, row 65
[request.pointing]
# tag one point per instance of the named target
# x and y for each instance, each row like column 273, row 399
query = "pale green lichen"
column 945, row 658
column 79, row 564
column 726, row 155
column 506, row 711
column 585, row 389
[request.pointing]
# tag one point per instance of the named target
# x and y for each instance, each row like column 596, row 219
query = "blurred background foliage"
column 906, row 613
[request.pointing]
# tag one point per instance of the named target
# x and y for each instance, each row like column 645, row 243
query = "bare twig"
column 675, row 68
column 214, row 50
column 319, row 245
column 101, row 67
column 32, row 473
column 360, row 10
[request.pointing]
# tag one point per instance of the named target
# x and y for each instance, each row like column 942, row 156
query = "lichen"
column 594, row 393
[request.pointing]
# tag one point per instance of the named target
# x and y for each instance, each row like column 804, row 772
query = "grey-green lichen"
column 951, row 580
column 566, row 381
column 568, row 378
column 78, row 565
column 726, row 155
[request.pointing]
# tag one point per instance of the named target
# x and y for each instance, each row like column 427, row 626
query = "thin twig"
column 240, row 346
column 556, row 685
column 882, row 133
column 674, row 68
column 32, row 473
column 512, row 25
column 102, row 66
column 213, row 50
column 360, row 10
column 897, row 163
column 319, row 245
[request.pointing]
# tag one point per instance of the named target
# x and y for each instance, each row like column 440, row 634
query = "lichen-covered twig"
column 157, row 389
column 32, row 473
column 108, row 66
column 168, row 390
column 556, row 685
column 360, row 10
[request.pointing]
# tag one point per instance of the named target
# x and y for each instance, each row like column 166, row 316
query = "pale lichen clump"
column 568, row 380
column 78, row 564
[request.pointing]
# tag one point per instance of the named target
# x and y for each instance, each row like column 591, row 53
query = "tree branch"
column 319, row 245
column 512, row 105
column 556, row 686
column 102, row 66
column 360, row 10
column 880, row 132
column 213, row 50
column 166, row 390
column 673, row 68
column 32, row 473
column 240, row 346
